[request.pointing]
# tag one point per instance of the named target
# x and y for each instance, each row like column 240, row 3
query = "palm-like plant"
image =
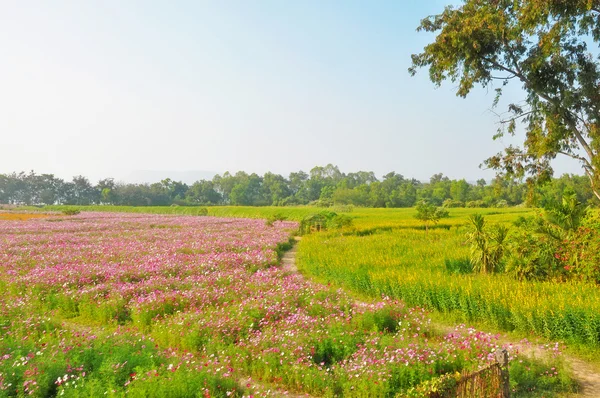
column 487, row 247
column 567, row 216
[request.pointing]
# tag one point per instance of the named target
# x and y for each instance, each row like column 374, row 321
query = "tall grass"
column 403, row 262
column 388, row 253
column 364, row 218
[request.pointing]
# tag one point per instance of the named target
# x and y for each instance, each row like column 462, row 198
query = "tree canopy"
column 550, row 47
column 360, row 188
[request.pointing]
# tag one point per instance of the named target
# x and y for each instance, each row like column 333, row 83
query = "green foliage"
column 429, row 213
column 388, row 255
column 555, row 246
column 343, row 208
column 501, row 204
column 580, row 255
column 339, row 221
column 325, row 220
column 531, row 255
column 71, row 212
column 439, row 387
column 529, row 378
column 568, row 214
column 324, row 187
column 272, row 219
column 475, row 203
column 459, row 266
column 453, row 203
column 544, row 46
column 487, row 244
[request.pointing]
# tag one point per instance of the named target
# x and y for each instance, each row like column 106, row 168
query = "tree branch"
column 512, row 119
column 517, row 72
column 592, row 183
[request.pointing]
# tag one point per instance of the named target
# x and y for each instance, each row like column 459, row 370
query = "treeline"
column 322, row 186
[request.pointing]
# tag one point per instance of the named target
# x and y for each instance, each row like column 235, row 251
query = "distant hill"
column 151, row 176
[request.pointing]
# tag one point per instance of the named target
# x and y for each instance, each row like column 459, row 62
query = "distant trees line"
column 322, row 186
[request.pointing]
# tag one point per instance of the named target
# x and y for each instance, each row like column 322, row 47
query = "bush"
column 322, row 203
column 476, row 203
column 289, row 201
column 344, row 208
column 274, row 218
column 501, row 203
column 339, row 221
column 563, row 244
column 532, row 256
column 453, row 203
column 70, row 212
column 323, row 221
column 580, row 256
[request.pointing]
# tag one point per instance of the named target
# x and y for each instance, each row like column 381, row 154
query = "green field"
column 407, row 264
column 387, row 252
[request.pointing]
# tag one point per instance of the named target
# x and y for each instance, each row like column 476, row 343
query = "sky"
column 117, row 89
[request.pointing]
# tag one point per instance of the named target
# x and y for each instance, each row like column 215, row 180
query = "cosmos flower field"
column 107, row 304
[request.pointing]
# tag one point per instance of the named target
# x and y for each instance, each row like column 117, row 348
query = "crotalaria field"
column 104, row 304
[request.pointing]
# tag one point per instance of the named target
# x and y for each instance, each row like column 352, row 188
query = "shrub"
column 71, row 212
column 322, row 203
column 532, row 256
column 563, row 244
column 339, row 221
column 501, row 203
column 323, row 221
column 475, row 203
column 289, row 201
column 274, row 218
column 344, row 208
column 453, row 203
column 580, row 255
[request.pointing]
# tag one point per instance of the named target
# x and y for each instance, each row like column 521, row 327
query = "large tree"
column 550, row 47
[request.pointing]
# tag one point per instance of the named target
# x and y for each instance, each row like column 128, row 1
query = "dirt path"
column 586, row 374
column 288, row 261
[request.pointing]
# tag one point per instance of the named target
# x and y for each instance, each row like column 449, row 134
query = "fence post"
column 502, row 359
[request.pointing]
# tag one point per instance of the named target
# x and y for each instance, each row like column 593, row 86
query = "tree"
column 543, row 44
column 176, row 189
column 298, row 186
column 106, row 187
column 276, row 188
column 429, row 213
column 203, row 192
column 459, row 190
column 83, row 191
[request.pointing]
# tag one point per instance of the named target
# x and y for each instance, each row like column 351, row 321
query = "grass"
column 387, row 252
column 401, row 261
column 364, row 218
column 186, row 306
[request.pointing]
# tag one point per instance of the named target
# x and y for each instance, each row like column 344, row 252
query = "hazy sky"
column 104, row 88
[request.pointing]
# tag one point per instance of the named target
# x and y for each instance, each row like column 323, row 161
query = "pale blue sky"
column 104, row 88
